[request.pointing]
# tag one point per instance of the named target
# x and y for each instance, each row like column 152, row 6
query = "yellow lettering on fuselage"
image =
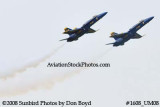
column 138, row 27
column 92, row 22
column 79, row 31
column 125, row 36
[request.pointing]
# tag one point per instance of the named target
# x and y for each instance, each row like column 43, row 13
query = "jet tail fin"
column 115, row 35
column 67, row 29
column 70, row 31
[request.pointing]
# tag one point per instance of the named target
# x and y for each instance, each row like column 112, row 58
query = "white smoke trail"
column 103, row 54
column 22, row 85
column 31, row 65
column 25, row 83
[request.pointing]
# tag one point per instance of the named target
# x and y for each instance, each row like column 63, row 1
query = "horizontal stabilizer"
column 109, row 43
column 63, row 39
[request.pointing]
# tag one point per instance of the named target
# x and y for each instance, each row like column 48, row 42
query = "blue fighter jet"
column 120, row 39
column 85, row 29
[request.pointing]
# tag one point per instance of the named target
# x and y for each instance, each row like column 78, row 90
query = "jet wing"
column 136, row 36
column 91, row 31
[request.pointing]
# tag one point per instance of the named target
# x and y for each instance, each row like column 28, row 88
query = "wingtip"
column 144, row 35
column 97, row 30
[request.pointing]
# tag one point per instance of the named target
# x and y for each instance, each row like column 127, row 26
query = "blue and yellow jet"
column 131, row 34
column 78, row 32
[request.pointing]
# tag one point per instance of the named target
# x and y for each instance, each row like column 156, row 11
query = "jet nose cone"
column 102, row 15
column 152, row 17
column 148, row 19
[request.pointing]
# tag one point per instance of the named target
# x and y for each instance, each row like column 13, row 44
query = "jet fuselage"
column 131, row 34
column 86, row 28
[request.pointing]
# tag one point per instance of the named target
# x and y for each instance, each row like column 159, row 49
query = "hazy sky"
column 31, row 29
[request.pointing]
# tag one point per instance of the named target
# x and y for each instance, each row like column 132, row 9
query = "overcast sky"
column 31, row 29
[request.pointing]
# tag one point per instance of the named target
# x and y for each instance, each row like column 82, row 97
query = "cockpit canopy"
column 141, row 21
column 94, row 16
